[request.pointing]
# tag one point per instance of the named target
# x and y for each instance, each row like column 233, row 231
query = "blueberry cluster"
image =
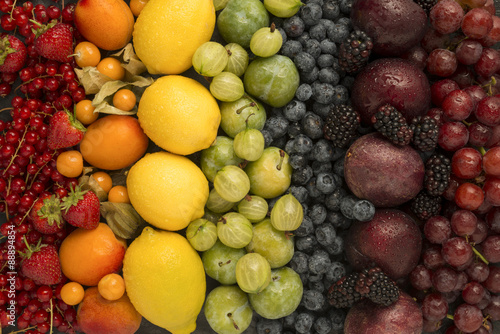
column 311, row 39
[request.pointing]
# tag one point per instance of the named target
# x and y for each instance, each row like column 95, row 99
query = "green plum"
column 272, row 80
column 281, row 297
column 271, row 174
column 220, row 262
column 238, row 21
column 276, row 246
column 234, row 116
column 220, row 154
column 227, row 310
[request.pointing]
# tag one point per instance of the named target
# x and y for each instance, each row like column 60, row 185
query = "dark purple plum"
column 391, row 241
column 396, row 81
column 394, row 25
column 402, row 317
column 383, row 173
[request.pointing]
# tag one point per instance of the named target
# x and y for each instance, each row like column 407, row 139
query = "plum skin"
column 396, row 81
column 402, row 317
column 384, row 173
column 391, row 240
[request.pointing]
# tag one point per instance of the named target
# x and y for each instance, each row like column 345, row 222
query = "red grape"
column 492, row 283
column 473, row 293
column 466, row 163
column 478, row 271
column 463, row 222
column 442, row 62
column 488, row 63
column 490, row 248
column 468, row 318
column 446, row 16
column 457, row 252
column 437, row 229
column 491, row 161
column 444, row 279
column 457, row 105
column 469, row 196
column 491, row 188
column 420, row 277
column 468, row 52
column 434, row 306
column 453, row 136
column 477, row 23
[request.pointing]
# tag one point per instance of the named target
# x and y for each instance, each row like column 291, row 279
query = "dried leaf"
column 122, row 218
column 88, row 182
column 105, row 108
column 91, row 79
column 130, row 61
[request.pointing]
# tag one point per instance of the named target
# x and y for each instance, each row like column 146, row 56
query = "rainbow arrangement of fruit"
column 230, row 166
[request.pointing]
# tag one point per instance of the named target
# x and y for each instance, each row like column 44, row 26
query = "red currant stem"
column 12, row 11
column 38, row 171
column 449, row 316
column 40, row 76
column 23, row 330
column 51, row 315
column 480, row 255
column 4, row 109
column 482, row 150
column 18, row 148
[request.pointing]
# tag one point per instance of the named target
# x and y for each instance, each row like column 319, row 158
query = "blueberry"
column 321, row 167
column 277, row 125
column 312, row 300
column 321, row 109
column 294, row 129
column 337, row 318
column 328, row 75
column 325, row 234
column 279, row 142
column 283, row 34
column 294, row 110
column 345, row 6
column 338, row 33
column 291, row 48
column 363, row 210
column 338, row 167
column 323, row 151
column 322, row 325
column 306, row 244
column 329, row 47
column 317, row 213
column 305, row 228
column 310, row 77
column 269, row 326
column 347, row 205
column 313, row 47
column 314, row 278
column 323, row 92
column 347, row 82
column 336, row 247
column 318, row 32
column 289, row 145
column 312, row 189
column 268, row 137
column 311, row 13
column 344, row 20
column 336, row 64
column 335, row 272
column 317, row 286
column 305, row 62
column 302, row 176
column 340, row 95
column 324, row 60
column 299, row 262
column 300, row 193
column 331, row 10
column 303, row 38
column 319, row 262
column 289, row 320
column 332, row 202
column 326, row 182
column 304, row 322
column 297, row 161
column 294, row 26
column 302, row 144
column 303, row 92
column 312, row 125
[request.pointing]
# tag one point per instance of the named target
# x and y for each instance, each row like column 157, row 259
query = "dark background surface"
column 146, row 326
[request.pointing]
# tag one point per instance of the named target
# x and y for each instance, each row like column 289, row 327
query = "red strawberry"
column 45, row 215
column 55, row 41
column 64, row 130
column 81, row 208
column 13, row 54
column 42, row 264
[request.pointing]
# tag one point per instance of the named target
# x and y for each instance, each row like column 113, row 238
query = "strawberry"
column 13, row 54
column 64, row 130
column 41, row 264
column 45, row 215
column 81, row 208
column 54, row 41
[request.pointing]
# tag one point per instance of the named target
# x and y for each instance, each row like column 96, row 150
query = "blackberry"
column 425, row 133
column 341, row 124
column 426, row 4
column 437, row 174
column 424, row 206
column 371, row 283
column 391, row 123
column 355, row 51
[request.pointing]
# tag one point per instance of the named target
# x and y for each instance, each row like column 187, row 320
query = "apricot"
column 97, row 315
column 114, row 142
column 106, row 23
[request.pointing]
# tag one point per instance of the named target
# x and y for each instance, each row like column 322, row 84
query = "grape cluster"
column 28, row 167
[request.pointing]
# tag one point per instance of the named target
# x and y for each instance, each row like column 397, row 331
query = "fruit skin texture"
column 93, row 17
column 167, row 190
column 45, row 215
column 179, row 114
column 384, row 173
column 42, row 265
column 114, row 142
column 165, row 280
column 82, row 209
column 167, row 33
column 89, row 255
column 55, row 43
column 387, row 22
column 402, row 317
column 13, row 54
column 391, row 240
column 391, row 80
column 96, row 315
column 64, row 130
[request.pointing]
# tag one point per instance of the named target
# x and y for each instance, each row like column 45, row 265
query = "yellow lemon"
column 168, row 32
column 165, row 280
column 167, row 190
column 179, row 114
